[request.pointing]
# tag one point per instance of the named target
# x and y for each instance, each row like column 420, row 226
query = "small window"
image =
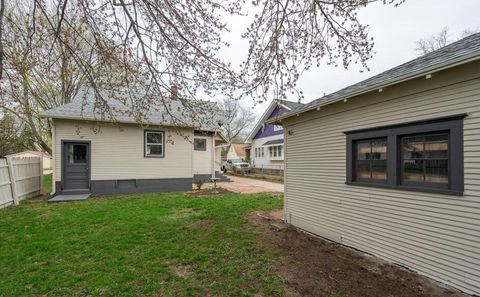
column 277, row 128
column 371, row 159
column 154, row 143
column 200, row 144
column 263, row 152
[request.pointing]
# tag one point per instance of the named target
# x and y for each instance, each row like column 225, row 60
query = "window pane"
column 379, row 150
column 154, row 137
column 154, row 149
column 77, row 154
column 436, row 171
column 200, row 144
column 413, row 170
column 436, row 146
column 379, row 169
column 363, row 150
column 363, row 169
column 413, row 147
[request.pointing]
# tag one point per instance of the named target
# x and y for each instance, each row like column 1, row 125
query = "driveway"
column 250, row 185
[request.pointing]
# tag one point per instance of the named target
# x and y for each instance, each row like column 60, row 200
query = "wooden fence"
column 20, row 178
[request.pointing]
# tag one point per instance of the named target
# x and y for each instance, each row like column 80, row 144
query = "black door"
column 76, row 166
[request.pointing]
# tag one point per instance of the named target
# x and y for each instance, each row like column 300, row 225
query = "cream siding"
column 117, row 151
column 437, row 235
column 202, row 160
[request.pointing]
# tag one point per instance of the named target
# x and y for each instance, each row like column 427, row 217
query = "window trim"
column 453, row 125
column 145, row 155
column 355, row 159
column 200, row 138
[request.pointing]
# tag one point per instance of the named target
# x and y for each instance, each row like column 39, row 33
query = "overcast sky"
column 395, row 31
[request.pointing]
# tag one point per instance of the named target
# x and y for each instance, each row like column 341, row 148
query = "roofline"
column 419, row 73
column 121, row 122
column 260, row 120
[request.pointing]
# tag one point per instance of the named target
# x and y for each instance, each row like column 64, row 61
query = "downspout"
column 213, row 154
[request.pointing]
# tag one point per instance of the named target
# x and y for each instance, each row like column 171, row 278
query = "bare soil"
column 208, row 192
column 313, row 266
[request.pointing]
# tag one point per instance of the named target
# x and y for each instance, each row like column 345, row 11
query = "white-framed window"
column 154, row 143
column 263, row 152
column 275, row 151
column 277, row 128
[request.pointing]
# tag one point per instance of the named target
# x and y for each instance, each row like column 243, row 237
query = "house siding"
column 202, row 160
column 117, row 151
column 435, row 234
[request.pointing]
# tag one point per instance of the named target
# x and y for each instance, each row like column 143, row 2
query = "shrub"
column 198, row 183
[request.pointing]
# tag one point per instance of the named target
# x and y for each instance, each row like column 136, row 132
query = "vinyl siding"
column 265, row 161
column 437, row 235
column 202, row 160
column 117, row 151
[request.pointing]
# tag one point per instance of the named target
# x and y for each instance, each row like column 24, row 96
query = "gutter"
column 416, row 74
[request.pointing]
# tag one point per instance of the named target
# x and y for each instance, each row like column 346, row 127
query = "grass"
column 149, row 245
column 47, row 184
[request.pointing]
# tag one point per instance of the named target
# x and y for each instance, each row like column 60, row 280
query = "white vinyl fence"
column 20, row 178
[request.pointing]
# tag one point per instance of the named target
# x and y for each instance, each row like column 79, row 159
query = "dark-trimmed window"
column 422, row 156
column 371, row 159
column 154, row 143
column 200, row 144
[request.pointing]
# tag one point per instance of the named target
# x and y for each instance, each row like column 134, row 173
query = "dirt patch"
column 202, row 225
column 312, row 266
column 41, row 197
column 208, row 192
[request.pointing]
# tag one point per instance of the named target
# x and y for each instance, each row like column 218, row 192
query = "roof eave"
column 123, row 122
column 450, row 64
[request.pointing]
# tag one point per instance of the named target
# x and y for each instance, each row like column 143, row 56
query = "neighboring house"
column 236, row 151
column 92, row 153
column 46, row 158
column 391, row 165
column 266, row 140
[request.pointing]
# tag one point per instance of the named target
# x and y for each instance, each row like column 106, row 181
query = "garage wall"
column 437, row 235
column 117, row 151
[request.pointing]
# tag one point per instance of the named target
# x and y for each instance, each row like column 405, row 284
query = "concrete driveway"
column 250, row 185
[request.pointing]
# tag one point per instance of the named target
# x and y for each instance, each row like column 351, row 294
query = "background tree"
column 436, row 41
column 238, row 119
column 41, row 73
column 177, row 42
column 16, row 137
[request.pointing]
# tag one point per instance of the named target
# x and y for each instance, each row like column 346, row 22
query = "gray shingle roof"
column 201, row 115
column 458, row 52
column 272, row 142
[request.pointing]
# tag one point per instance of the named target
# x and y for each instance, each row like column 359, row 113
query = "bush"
column 198, row 183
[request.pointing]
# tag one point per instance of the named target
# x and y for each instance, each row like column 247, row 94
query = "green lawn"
column 47, row 184
column 154, row 244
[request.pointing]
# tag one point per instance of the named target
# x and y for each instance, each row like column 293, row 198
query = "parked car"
column 236, row 165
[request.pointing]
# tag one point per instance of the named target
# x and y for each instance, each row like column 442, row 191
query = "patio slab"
column 69, row 197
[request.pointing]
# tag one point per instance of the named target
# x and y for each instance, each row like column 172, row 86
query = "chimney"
column 173, row 92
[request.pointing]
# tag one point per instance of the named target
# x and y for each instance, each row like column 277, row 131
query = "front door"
column 76, row 167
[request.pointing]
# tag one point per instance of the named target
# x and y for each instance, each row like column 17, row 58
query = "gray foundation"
column 132, row 186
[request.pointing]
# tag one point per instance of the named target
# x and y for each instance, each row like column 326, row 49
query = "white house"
column 96, row 154
column 266, row 140
column 391, row 165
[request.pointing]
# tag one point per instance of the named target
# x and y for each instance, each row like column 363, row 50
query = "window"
column 76, row 153
column 422, row 156
column 425, row 158
column 277, row 128
column 371, row 159
column 154, row 144
column 275, row 151
column 200, row 144
column 263, row 152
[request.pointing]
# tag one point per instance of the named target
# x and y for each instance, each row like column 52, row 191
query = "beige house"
column 391, row 165
column 94, row 154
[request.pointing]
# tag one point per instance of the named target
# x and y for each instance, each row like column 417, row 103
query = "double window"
column 154, row 145
column 426, row 156
column 259, row 152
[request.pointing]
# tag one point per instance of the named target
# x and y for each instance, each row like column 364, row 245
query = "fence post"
column 13, row 182
column 41, row 175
